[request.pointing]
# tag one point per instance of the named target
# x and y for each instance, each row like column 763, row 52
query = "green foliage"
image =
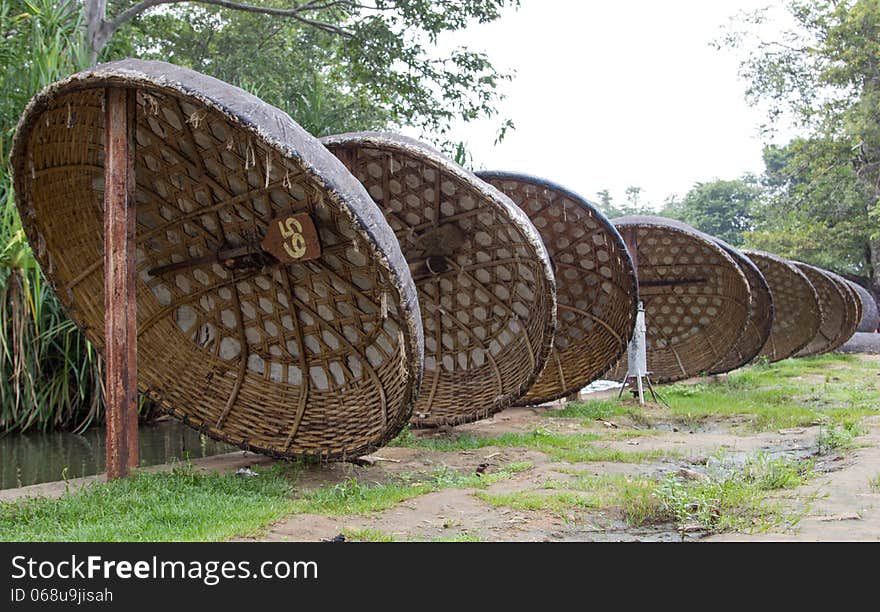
column 723, row 209
column 633, row 205
column 374, row 67
column 821, row 76
column 49, row 375
column 815, row 208
column 41, row 42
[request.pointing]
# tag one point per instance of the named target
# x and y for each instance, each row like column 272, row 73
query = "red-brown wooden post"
column 120, row 307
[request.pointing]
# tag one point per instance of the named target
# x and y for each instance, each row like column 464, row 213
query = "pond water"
column 32, row 458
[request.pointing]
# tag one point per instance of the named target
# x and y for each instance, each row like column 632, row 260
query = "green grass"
column 368, row 534
column 351, row 497
column 833, row 437
column 185, row 504
column 729, row 499
column 570, row 448
column 182, row 504
column 736, row 500
column 556, row 501
column 600, row 409
column 632, row 496
column 837, row 389
column 874, row 483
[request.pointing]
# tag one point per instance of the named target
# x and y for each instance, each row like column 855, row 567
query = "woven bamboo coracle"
column 317, row 358
column 696, row 297
column 486, row 287
column 595, row 283
column 838, row 310
column 854, row 309
column 797, row 314
column 760, row 321
column 870, row 320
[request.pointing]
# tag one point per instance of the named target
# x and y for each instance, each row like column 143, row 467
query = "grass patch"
column 632, row 496
column 570, row 448
column 352, row 497
column 557, row 501
column 182, row 504
column 368, row 534
column 600, row 409
column 735, row 499
column 875, row 483
column 838, row 437
column 186, row 505
column 834, row 389
column 731, row 498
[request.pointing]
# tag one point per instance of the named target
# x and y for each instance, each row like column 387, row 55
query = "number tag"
column 292, row 238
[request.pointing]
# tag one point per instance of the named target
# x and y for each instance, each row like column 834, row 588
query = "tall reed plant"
column 50, row 376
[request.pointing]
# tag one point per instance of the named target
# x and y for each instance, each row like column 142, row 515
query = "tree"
column 720, row 208
column 633, row 205
column 360, row 63
column 815, row 208
column 823, row 77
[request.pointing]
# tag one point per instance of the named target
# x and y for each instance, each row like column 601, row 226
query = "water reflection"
column 35, row 457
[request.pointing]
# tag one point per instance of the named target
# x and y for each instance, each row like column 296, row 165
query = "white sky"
column 610, row 94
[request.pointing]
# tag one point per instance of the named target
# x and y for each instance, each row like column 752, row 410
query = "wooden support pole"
column 120, row 306
column 631, row 240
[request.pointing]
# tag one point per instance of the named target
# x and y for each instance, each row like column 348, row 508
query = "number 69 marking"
column 295, row 243
column 292, row 238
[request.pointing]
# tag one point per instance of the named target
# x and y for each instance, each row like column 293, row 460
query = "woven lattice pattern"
column 760, row 321
column 797, row 313
column 595, row 283
column 486, row 288
column 853, row 312
column 319, row 358
column 870, row 318
column 838, row 310
column 695, row 295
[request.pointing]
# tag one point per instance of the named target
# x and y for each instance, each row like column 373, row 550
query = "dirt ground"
column 838, row 503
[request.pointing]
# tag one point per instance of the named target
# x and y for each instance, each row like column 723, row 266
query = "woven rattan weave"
column 870, row 320
column 320, row 358
column 760, row 315
column 854, row 309
column 486, row 287
column 838, row 310
column 595, row 283
column 797, row 314
column 696, row 297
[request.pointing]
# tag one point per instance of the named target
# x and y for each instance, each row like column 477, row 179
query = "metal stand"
column 120, row 306
column 637, row 362
column 637, row 359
